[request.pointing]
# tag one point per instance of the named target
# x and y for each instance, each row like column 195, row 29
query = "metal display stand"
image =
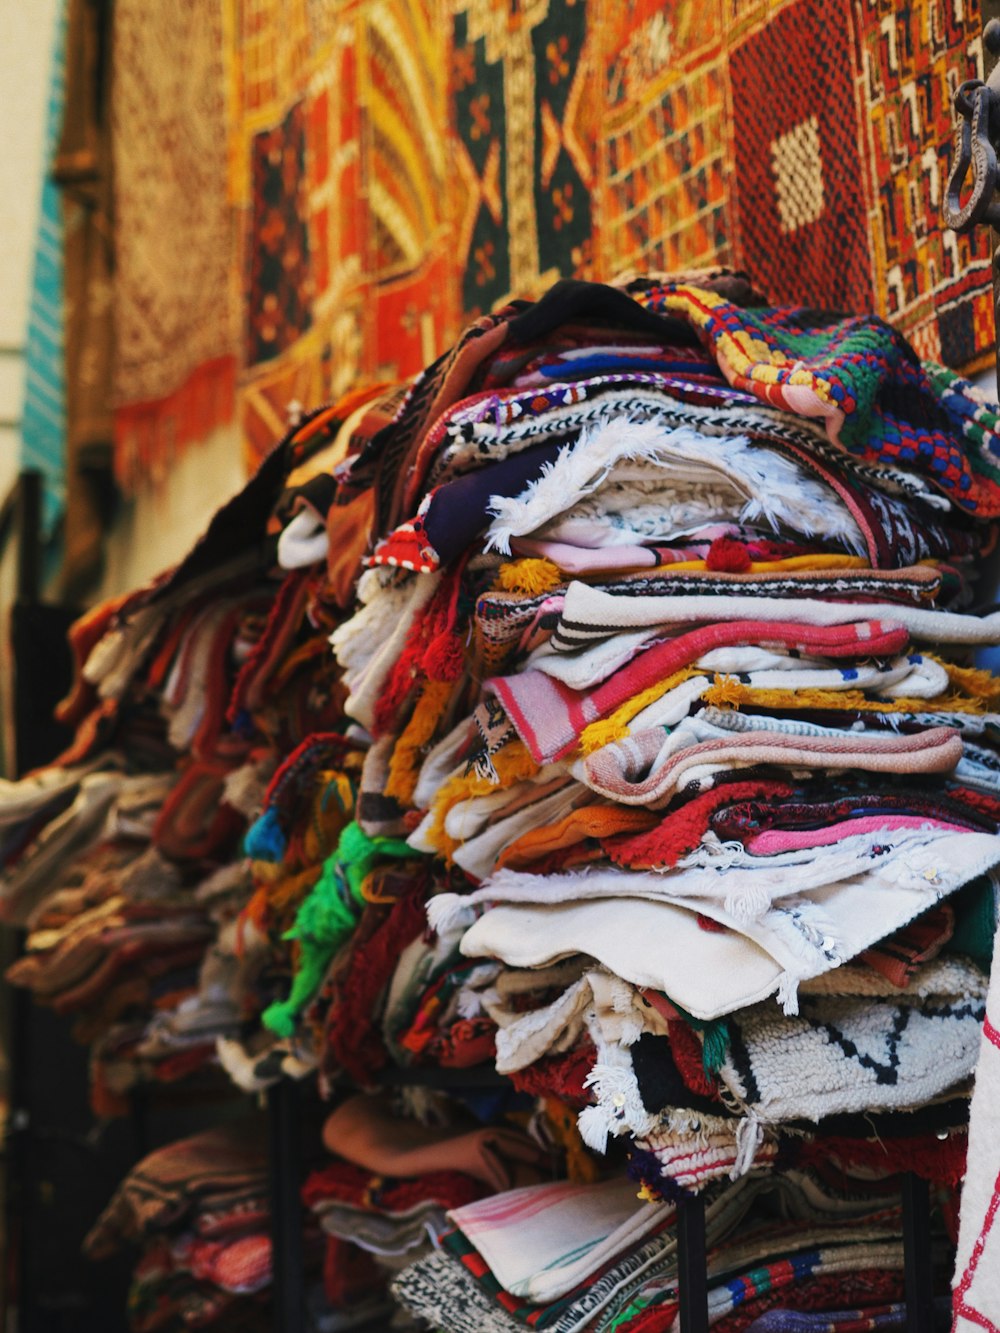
column 283, row 1106
column 288, row 1287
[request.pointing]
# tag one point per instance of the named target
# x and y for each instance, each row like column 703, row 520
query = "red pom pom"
column 728, row 556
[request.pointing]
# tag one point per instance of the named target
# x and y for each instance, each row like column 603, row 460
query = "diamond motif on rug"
column 798, row 175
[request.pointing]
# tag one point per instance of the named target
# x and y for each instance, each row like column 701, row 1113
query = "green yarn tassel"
column 328, row 917
column 715, row 1044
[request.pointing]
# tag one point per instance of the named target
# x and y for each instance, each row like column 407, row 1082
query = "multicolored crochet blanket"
column 862, row 378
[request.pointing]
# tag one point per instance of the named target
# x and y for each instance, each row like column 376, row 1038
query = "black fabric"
column 660, row 1083
column 457, row 512
column 572, row 299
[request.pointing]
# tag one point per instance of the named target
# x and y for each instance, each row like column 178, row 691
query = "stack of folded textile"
column 651, row 769
column 124, row 858
column 665, row 658
column 198, row 1208
column 567, row 1257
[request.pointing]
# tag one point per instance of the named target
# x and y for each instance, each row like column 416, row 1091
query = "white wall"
column 27, row 31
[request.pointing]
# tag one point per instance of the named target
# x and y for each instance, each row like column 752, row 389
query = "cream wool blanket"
column 637, row 927
column 637, row 481
column 851, row 1054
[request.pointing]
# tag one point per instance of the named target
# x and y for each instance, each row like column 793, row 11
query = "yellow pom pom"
column 726, row 692
column 528, row 576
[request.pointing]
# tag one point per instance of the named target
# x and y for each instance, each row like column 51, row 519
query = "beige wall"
column 159, row 526
column 27, row 31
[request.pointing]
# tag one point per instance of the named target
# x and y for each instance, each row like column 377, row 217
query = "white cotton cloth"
column 639, row 928
column 650, row 944
column 976, row 1281
column 640, row 481
column 368, row 645
column 745, row 886
column 303, row 541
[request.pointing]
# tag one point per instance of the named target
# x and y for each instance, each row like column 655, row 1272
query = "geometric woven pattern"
column 801, row 215
column 396, row 167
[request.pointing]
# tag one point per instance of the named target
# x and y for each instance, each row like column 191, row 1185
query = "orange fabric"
column 593, row 821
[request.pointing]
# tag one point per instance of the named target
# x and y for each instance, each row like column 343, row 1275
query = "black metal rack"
column 283, row 1105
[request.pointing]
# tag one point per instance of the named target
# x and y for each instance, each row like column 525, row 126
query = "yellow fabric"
column 727, row 691
column 615, row 726
column 415, row 737
column 513, row 763
column 776, row 566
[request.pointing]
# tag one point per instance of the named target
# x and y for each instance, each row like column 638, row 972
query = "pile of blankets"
column 199, row 1211
column 636, row 839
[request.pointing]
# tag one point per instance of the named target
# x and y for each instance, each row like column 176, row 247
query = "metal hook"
column 972, row 148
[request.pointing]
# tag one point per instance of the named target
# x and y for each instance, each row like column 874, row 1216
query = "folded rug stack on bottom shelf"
column 199, row 1210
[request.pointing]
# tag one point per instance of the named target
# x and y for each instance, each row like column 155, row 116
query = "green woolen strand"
column 327, row 919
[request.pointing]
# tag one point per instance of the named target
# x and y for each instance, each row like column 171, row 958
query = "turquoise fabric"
column 43, row 429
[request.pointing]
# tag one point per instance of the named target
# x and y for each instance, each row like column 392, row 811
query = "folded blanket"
column 540, row 1242
column 228, row 1160
column 592, row 613
column 549, row 717
column 439, row 1290
column 843, row 1054
column 708, row 969
column 639, row 480
column 858, row 376
column 647, row 769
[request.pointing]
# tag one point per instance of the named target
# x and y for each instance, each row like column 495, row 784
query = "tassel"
column 726, row 692
column 265, row 839
column 715, row 1046
column 328, row 918
column 448, row 912
column 728, row 556
column 749, row 1137
column 414, row 739
column 788, row 994
column 598, row 734
column 445, row 657
column 594, row 1124
column 529, row 576
column 749, row 905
